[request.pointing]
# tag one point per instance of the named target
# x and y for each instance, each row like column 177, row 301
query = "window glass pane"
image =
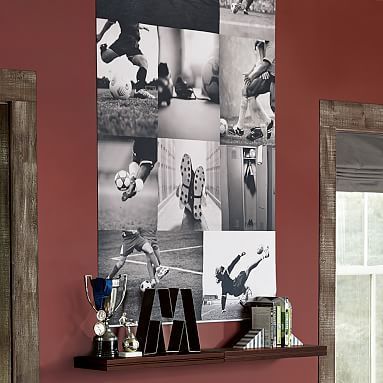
column 379, row 328
column 352, row 329
column 375, row 229
column 349, row 228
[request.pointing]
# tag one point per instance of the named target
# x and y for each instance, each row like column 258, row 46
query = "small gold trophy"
column 130, row 343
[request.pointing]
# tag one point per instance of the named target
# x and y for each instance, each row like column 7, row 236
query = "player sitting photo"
column 248, row 105
column 260, row 79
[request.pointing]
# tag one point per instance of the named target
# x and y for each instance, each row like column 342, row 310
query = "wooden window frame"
column 335, row 116
column 19, row 350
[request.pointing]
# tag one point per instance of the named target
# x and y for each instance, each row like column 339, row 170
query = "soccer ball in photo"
column 122, row 180
column 235, row 7
column 145, row 285
column 223, row 127
column 210, row 79
column 120, row 89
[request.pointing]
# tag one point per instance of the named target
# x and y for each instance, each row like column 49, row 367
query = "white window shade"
column 359, row 162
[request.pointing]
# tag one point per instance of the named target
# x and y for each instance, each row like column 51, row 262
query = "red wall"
column 326, row 49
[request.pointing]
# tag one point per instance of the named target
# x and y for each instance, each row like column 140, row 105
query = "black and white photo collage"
column 186, row 150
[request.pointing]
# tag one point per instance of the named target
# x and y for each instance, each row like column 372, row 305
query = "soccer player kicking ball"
column 259, row 80
column 127, row 44
column 236, row 286
column 144, row 159
column 146, row 241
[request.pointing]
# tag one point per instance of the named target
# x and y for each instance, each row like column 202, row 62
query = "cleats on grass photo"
column 143, row 94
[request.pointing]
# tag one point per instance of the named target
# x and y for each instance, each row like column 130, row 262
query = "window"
column 359, row 289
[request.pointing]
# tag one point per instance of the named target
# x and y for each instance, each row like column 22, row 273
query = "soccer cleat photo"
column 245, row 296
column 131, row 190
column 165, row 84
column 236, row 130
column 161, row 271
column 103, row 48
column 186, row 175
column 235, row 7
column 143, row 94
column 255, row 134
column 183, row 90
column 198, row 187
column 270, row 129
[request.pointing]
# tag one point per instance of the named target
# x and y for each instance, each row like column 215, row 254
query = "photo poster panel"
column 186, row 150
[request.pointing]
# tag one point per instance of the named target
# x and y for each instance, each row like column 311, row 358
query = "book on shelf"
column 274, row 315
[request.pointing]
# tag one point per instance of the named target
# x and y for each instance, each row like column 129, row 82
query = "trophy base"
column 131, row 354
column 105, row 346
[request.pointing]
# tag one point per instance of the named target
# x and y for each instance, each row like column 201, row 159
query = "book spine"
column 273, row 318
column 288, row 322
column 261, row 318
column 279, row 325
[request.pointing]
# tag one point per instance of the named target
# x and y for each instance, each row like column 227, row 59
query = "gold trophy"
column 105, row 342
column 130, row 343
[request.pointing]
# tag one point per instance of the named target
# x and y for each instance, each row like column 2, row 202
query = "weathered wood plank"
column 348, row 116
column 5, row 254
column 25, row 365
column 16, row 85
column 327, row 261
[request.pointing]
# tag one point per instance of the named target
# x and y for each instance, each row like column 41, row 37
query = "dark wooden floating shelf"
column 204, row 357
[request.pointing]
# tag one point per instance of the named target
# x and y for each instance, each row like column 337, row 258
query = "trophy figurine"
column 105, row 342
column 130, row 343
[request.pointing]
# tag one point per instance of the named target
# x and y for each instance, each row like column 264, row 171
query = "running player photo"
column 127, row 62
column 248, row 18
column 152, row 260
column 127, row 183
column 238, row 266
column 147, row 242
column 247, row 73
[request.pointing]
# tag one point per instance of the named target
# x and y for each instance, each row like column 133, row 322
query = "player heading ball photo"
column 247, row 88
